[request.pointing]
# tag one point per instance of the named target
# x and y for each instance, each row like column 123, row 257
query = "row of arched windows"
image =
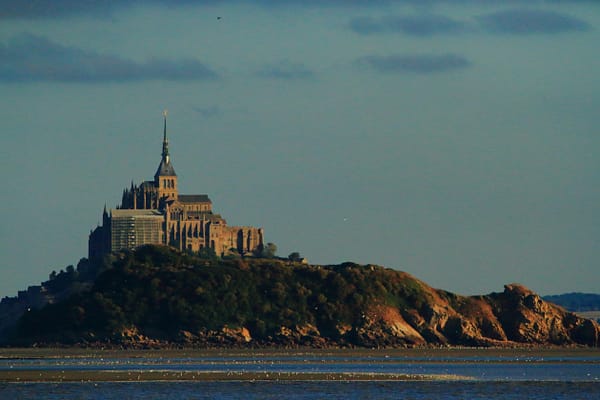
column 168, row 183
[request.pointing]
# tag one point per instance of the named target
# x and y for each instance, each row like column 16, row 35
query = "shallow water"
column 303, row 390
column 482, row 376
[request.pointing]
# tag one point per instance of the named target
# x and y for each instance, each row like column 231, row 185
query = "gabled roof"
column 193, row 198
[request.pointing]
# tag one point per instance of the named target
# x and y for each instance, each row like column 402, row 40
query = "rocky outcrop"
column 516, row 316
column 526, row 318
column 145, row 300
column 300, row 335
column 384, row 326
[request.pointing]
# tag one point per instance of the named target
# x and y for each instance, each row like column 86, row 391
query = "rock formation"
column 157, row 297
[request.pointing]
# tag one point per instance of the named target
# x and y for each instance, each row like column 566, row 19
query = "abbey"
column 154, row 212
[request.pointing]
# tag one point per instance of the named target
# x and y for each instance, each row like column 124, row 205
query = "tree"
column 269, row 250
column 207, row 253
column 233, row 254
column 295, row 256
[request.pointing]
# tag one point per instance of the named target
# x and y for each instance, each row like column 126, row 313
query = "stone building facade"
column 154, row 212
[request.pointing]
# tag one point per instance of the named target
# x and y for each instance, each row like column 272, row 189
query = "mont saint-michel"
column 154, row 212
column 164, row 270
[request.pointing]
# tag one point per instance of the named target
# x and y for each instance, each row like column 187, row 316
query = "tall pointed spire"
column 165, row 168
column 165, row 148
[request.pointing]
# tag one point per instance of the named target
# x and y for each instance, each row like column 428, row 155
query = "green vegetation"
column 295, row 256
column 157, row 296
column 161, row 292
column 267, row 251
column 73, row 279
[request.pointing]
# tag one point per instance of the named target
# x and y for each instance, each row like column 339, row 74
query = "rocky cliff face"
column 514, row 317
column 517, row 316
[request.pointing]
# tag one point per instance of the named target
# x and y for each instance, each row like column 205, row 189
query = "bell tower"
column 165, row 178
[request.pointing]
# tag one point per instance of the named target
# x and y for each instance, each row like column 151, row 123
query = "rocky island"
column 159, row 297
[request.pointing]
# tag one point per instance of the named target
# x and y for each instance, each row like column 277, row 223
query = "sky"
column 456, row 140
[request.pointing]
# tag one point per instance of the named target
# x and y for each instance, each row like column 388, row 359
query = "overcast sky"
column 456, row 140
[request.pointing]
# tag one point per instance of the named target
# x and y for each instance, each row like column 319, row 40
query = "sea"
column 426, row 375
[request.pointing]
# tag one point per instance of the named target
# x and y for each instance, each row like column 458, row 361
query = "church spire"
column 165, row 168
column 165, row 147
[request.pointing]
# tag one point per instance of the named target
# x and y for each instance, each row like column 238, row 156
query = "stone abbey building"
column 154, row 212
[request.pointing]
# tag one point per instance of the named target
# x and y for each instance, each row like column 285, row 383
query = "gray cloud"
column 62, row 8
column 418, row 25
column 101, row 8
column 286, row 70
column 527, row 21
column 34, row 58
column 416, row 63
column 52, row 8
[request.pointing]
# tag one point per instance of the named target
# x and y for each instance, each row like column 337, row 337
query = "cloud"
column 515, row 21
column 62, row 8
column 29, row 9
column 415, row 63
column 287, row 71
column 56, row 8
column 418, row 25
column 29, row 58
column 526, row 21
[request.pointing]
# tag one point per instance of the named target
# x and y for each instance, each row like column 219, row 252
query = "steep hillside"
column 158, row 297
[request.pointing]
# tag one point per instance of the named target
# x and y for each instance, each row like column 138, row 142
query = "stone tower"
column 165, row 179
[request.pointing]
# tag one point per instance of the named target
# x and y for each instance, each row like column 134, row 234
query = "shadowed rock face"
column 515, row 316
column 528, row 319
column 149, row 301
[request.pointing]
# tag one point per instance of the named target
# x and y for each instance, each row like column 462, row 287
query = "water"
column 304, row 390
column 463, row 376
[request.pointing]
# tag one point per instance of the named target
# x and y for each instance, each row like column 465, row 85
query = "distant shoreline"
column 72, row 352
column 595, row 314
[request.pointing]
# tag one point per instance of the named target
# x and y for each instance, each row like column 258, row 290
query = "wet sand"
column 158, row 375
column 185, row 356
column 423, row 353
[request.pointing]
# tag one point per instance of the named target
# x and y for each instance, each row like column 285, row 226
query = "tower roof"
column 165, row 168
